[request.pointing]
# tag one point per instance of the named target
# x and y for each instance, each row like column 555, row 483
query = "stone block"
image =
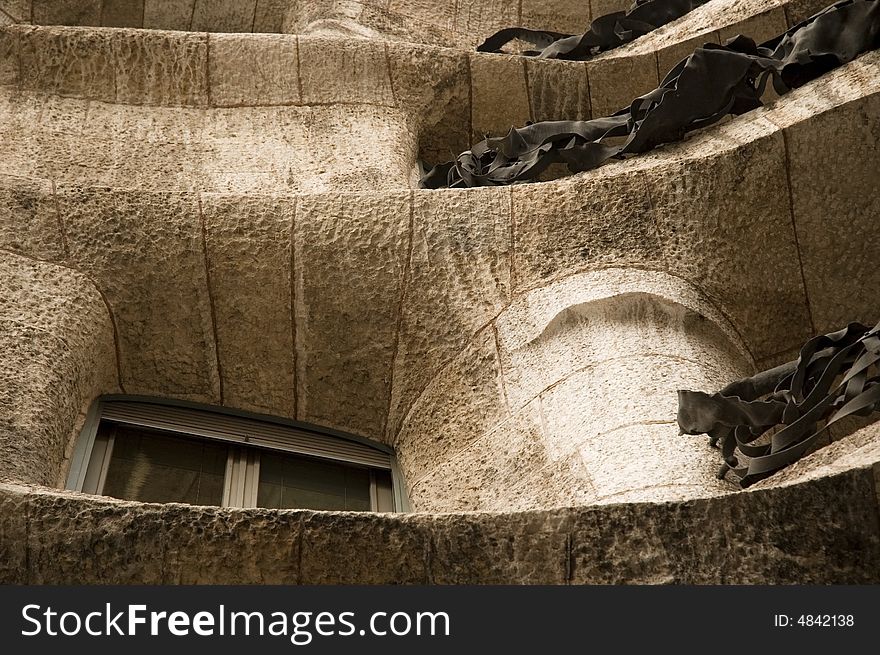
column 460, row 261
column 462, row 402
column 209, row 545
column 603, row 218
column 168, row 14
column 362, row 548
column 9, row 57
column 72, row 12
column 13, row 535
column 223, row 16
column 615, row 81
column 487, row 475
column 253, row 70
column 497, row 549
column 77, row 63
column 600, row 8
column 269, row 16
column 123, row 13
column 713, row 237
column 17, row 11
column 78, row 541
column 350, row 255
column 28, row 219
column 161, row 68
column 146, row 254
column 475, row 20
column 558, row 90
column 833, row 162
column 442, row 109
column 565, row 16
column 500, row 98
column 249, row 267
column 56, row 355
column 344, row 71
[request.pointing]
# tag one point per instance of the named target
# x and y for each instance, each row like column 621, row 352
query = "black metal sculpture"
column 835, row 376
column 604, row 33
column 713, row 82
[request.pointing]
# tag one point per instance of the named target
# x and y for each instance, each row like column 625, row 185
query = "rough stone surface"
column 168, row 14
column 161, row 68
column 76, row 63
column 463, row 401
column 489, row 549
column 223, row 16
column 566, row 16
column 13, row 538
column 57, row 354
column 500, row 98
column 146, row 253
column 616, row 80
column 833, row 192
column 710, row 236
column 347, row 548
column 558, row 90
column 608, row 220
column 353, row 71
column 123, row 13
column 345, row 341
column 460, row 260
column 249, row 268
column 253, row 70
column 28, row 219
column 72, row 12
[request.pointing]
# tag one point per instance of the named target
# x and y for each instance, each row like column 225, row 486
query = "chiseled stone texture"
column 123, row 13
column 583, row 320
column 507, row 469
column 831, row 130
column 492, row 549
column 350, row 71
column 72, row 62
column 168, row 14
column 617, row 77
column 440, row 112
column 249, row 267
column 463, row 401
column 711, row 236
column 223, row 16
column 460, row 261
column 28, row 218
column 558, row 90
column 500, row 98
column 352, row 548
column 566, row 16
column 603, row 218
column 56, row 355
column 161, row 68
column 350, row 255
column 252, row 70
column 819, row 532
column 146, row 253
column 69, row 12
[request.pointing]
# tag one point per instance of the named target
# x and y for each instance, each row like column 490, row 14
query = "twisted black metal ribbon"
column 835, row 376
column 716, row 80
column 604, row 33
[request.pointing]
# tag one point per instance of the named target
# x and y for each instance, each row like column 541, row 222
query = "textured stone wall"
column 165, row 196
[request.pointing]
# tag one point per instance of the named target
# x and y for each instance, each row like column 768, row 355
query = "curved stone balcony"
column 520, row 347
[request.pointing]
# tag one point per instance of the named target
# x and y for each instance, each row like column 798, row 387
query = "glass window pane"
column 154, row 467
column 291, row 482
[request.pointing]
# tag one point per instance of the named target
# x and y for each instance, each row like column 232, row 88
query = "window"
column 149, row 451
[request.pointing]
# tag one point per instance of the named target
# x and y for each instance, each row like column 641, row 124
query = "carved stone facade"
column 216, row 202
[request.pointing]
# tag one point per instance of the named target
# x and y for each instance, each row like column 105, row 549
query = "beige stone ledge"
column 820, row 531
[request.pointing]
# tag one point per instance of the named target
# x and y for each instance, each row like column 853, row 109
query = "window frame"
column 241, row 478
